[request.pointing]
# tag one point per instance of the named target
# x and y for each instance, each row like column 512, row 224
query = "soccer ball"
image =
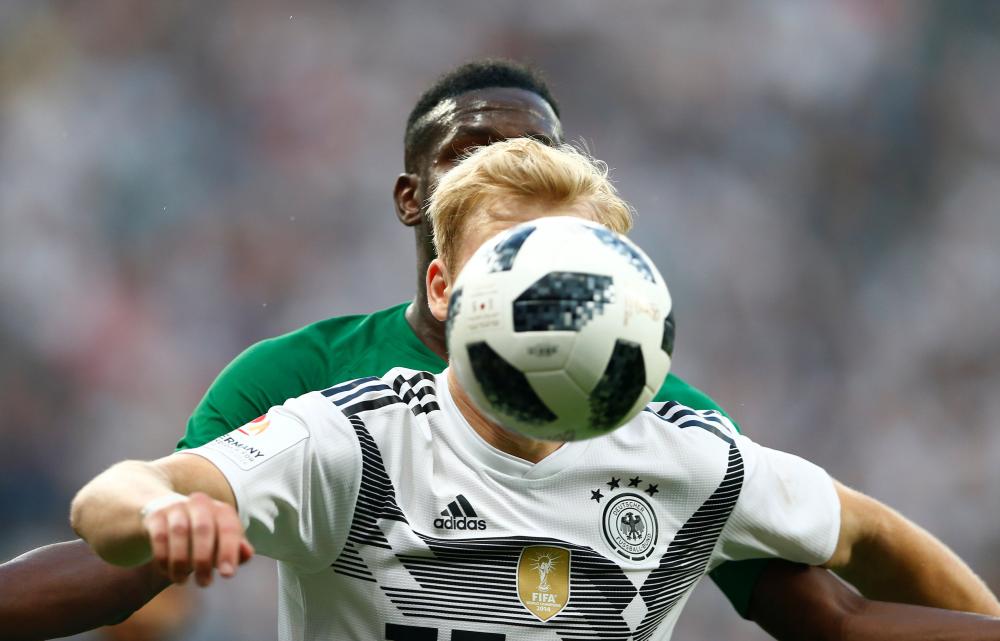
column 560, row 329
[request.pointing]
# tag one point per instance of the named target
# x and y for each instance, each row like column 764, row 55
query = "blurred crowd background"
column 818, row 181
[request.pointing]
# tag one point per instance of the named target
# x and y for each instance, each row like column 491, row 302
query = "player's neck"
column 428, row 329
column 514, row 444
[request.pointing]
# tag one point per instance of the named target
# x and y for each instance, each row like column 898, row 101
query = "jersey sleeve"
column 295, row 473
column 788, row 508
column 737, row 580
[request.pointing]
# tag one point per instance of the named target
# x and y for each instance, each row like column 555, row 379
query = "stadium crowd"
column 816, row 182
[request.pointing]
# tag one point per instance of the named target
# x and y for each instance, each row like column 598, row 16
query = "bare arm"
column 827, row 610
column 196, row 533
column 65, row 589
column 889, row 558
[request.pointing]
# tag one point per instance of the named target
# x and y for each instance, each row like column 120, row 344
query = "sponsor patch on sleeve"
column 259, row 440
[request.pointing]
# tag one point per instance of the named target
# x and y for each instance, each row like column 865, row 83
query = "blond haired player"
column 343, row 487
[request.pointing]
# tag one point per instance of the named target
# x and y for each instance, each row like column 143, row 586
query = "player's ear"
column 404, row 194
column 438, row 289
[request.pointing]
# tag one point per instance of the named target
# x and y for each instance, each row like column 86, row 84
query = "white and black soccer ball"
column 560, row 329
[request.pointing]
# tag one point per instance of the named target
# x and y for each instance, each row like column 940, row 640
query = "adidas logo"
column 459, row 515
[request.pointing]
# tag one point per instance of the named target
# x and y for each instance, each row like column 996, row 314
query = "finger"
column 202, row 537
column 156, row 528
column 179, row 545
column 230, row 536
column 246, row 551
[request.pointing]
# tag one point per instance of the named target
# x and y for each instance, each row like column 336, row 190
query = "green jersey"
column 340, row 349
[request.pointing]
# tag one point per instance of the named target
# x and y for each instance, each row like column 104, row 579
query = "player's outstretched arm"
column 827, row 610
column 889, row 558
column 138, row 510
column 64, row 588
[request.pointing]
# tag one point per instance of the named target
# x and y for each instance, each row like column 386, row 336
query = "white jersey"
column 391, row 518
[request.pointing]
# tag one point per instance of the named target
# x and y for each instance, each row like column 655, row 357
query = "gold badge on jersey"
column 543, row 580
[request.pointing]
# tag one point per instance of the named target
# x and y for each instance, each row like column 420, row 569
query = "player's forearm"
column 106, row 512
column 899, row 622
column 65, row 589
column 908, row 565
column 896, row 560
column 827, row 610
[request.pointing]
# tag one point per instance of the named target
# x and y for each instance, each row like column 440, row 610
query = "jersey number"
column 394, row 632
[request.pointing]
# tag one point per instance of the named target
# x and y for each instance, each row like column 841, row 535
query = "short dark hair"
column 479, row 74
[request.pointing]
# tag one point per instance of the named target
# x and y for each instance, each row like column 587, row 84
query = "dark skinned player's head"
column 477, row 104
column 430, row 118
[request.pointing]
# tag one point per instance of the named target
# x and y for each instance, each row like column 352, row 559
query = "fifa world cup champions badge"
column 543, row 580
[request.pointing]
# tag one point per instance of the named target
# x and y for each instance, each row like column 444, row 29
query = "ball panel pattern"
column 667, row 342
column 619, row 387
column 454, row 309
column 625, row 250
column 505, row 387
column 562, row 301
column 558, row 390
column 502, row 258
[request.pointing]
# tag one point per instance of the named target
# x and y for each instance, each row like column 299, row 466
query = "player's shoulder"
column 675, row 424
column 313, row 350
column 677, row 389
column 693, row 448
column 368, row 396
column 337, row 330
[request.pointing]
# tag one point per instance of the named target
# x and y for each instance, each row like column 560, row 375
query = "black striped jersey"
column 391, row 518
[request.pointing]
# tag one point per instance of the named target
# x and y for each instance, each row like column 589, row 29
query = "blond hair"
column 522, row 168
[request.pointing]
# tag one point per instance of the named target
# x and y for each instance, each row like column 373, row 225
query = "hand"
column 197, row 534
